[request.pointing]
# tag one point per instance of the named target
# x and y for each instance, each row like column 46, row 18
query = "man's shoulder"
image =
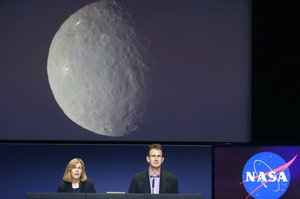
column 168, row 174
column 140, row 174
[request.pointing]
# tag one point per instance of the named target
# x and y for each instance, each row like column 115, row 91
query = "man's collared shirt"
column 154, row 183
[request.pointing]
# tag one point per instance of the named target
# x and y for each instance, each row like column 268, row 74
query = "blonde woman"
column 75, row 179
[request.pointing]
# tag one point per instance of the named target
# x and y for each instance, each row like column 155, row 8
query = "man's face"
column 155, row 158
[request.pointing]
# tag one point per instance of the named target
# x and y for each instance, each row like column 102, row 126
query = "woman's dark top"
column 84, row 187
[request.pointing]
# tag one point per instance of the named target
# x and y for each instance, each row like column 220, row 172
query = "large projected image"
column 256, row 172
column 125, row 70
column 40, row 167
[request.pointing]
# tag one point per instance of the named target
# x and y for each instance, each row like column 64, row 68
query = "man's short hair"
column 156, row 146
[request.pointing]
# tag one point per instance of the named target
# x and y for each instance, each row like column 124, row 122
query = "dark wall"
column 275, row 78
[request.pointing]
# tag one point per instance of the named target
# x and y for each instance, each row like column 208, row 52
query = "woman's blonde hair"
column 67, row 175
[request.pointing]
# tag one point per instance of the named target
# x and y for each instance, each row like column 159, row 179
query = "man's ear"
column 147, row 158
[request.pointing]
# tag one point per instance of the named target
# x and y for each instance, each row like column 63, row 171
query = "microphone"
column 153, row 185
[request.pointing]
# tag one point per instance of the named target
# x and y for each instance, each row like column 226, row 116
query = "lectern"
column 111, row 196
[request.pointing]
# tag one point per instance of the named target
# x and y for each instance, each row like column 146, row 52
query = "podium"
column 111, row 196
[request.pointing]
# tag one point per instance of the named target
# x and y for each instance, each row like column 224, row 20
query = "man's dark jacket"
column 140, row 183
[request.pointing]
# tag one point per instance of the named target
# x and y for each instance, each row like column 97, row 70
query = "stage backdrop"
column 200, row 54
column 40, row 167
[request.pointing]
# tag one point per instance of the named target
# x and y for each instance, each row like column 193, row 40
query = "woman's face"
column 76, row 171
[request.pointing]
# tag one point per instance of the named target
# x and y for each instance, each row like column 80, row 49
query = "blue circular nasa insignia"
column 266, row 176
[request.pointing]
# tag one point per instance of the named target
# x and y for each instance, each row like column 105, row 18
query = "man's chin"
column 156, row 166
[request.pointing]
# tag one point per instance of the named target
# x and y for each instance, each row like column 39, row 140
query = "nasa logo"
column 266, row 175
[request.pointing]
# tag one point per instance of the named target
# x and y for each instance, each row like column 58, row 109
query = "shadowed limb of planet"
column 99, row 70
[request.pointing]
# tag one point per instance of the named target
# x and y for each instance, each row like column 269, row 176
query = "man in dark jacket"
column 154, row 180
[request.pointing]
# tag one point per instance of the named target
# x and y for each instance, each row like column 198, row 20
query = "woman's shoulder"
column 89, row 181
column 63, row 183
column 88, row 186
column 63, row 186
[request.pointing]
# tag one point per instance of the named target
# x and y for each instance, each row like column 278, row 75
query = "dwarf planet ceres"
column 99, row 69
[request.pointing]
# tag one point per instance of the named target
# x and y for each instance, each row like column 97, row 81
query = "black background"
column 275, row 78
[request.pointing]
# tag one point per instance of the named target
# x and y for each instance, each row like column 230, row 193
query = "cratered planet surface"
column 99, row 69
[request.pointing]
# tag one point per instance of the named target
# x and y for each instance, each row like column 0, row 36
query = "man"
column 154, row 180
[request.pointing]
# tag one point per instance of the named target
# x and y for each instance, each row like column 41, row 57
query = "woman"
column 75, row 179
